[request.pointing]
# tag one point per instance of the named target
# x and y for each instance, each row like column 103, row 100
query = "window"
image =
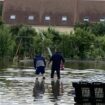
column 64, row 18
column 13, row 17
column 31, row 18
column 102, row 20
column 86, row 19
column 47, row 18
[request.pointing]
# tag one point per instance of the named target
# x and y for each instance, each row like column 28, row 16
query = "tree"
column 84, row 39
column 98, row 28
column 6, row 42
column 25, row 39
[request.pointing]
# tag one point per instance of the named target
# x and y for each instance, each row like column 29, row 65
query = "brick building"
column 1, row 7
column 53, row 12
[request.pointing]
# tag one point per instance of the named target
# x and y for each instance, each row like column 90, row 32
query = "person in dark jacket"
column 39, row 64
column 56, row 60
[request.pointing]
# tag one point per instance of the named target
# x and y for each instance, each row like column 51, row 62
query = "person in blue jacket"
column 56, row 60
column 39, row 64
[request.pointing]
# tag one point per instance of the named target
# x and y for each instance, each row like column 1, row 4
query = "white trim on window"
column 86, row 19
column 30, row 17
column 64, row 18
column 12, row 17
column 102, row 20
column 47, row 18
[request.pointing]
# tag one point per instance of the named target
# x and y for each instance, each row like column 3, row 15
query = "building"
column 53, row 12
column 1, row 7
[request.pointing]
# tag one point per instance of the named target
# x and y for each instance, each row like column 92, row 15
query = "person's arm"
column 35, row 63
column 49, row 61
column 63, row 60
column 44, row 62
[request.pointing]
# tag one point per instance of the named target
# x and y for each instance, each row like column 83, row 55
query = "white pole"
column 43, row 38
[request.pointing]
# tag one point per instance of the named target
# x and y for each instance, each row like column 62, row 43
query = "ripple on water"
column 27, row 79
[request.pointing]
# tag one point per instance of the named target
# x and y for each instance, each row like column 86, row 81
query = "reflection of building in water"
column 56, row 89
column 39, row 89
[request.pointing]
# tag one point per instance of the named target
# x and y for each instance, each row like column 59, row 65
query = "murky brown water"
column 16, row 86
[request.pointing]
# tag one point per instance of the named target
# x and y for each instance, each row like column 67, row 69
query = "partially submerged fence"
column 90, row 90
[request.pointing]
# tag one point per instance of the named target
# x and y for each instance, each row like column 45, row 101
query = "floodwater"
column 18, row 85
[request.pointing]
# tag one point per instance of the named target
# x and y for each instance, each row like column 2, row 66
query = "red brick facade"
column 53, row 12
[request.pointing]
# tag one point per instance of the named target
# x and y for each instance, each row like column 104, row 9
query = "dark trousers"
column 40, row 69
column 58, row 73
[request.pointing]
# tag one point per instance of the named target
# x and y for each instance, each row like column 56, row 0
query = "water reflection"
column 56, row 91
column 78, row 64
column 73, row 64
column 4, row 64
column 57, row 88
column 39, row 89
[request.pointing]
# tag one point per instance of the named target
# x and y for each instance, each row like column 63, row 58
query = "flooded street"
column 16, row 86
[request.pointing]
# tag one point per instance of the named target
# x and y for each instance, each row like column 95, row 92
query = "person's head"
column 57, row 50
column 38, row 54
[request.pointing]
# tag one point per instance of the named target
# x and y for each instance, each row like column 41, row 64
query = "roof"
column 75, row 10
column 40, row 5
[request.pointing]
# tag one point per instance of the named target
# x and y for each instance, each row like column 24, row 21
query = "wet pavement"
column 20, row 87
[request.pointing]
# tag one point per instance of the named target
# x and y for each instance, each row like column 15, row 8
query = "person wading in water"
column 39, row 65
column 56, row 60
